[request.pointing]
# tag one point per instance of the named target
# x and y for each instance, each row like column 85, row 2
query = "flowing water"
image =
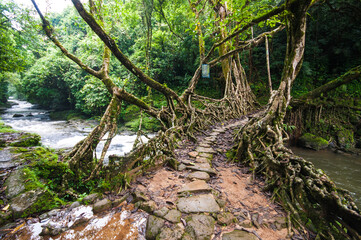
column 115, row 224
column 344, row 170
column 59, row 134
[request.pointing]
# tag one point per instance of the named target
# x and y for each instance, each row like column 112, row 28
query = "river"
column 344, row 170
column 60, row 134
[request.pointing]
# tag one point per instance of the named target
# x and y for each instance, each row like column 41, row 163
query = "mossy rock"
column 33, row 201
column 15, row 183
column 345, row 138
column 27, row 140
column 6, row 128
column 311, row 141
column 154, row 226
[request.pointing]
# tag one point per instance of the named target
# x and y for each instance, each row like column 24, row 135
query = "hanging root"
column 81, row 157
column 311, row 198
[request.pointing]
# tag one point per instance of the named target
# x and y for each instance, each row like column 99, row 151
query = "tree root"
column 308, row 194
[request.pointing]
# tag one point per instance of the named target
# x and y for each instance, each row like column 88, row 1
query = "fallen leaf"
column 5, row 208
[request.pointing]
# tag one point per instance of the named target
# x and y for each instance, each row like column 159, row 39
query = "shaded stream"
column 25, row 116
column 344, row 170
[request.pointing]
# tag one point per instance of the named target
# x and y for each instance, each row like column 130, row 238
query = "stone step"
column 239, row 234
column 198, row 204
column 210, row 139
column 199, row 175
column 203, row 167
column 202, row 160
column 193, row 154
column 205, row 150
column 206, row 155
column 195, row 186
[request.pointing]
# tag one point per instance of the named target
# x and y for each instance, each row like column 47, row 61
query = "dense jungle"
column 184, row 119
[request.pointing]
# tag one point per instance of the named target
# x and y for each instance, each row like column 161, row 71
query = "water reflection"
column 344, row 170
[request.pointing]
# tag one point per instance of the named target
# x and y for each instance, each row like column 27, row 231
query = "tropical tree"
column 295, row 183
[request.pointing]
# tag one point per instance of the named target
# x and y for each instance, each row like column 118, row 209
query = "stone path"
column 209, row 198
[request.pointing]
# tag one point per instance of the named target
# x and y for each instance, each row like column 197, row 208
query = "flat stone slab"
column 203, row 167
column 205, row 150
column 239, row 235
column 219, row 130
column 193, row 154
column 201, row 160
column 206, row 155
column 187, row 162
column 210, row 139
column 205, row 144
column 200, row 227
column 5, row 159
column 199, row 175
column 181, row 167
column 198, row 203
column 173, row 216
column 195, row 186
column 212, row 134
column 15, row 183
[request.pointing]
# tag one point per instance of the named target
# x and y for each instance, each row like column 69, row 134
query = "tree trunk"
column 296, row 184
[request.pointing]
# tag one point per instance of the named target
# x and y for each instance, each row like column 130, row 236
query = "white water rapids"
column 60, row 134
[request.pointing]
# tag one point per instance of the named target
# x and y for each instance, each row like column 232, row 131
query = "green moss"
column 6, row 129
column 46, row 201
column 311, row 141
column 345, row 138
column 27, row 140
column 230, row 154
column 35, row 154
column 148, row 124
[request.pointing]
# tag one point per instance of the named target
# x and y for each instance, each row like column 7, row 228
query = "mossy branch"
column 349, row 76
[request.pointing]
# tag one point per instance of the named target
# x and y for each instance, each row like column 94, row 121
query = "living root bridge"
column 311, row 198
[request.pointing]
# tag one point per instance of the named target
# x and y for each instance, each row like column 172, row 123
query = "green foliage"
column 16, row 35
column 93, row 98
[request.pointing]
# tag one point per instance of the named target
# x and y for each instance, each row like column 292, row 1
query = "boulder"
column 74, row 205
column 173, row 216
column 225, row 218
column 24, row 203
column 15, row 183
column 27, row 140
column 91, row 198
column 102, row 205
column 311, row 141
column 345, row 138
column 198, row 203
column 161, row 212
column 149, row 206
column 154, row 226
column 200, row 227
column 17, row 115
column 171, row 234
